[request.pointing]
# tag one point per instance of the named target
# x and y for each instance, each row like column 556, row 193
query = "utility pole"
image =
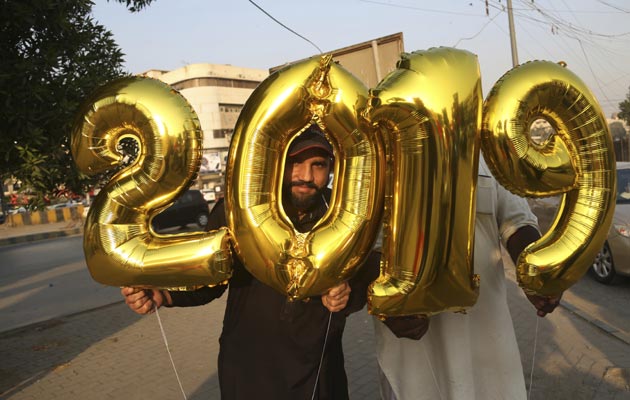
column 512, row 34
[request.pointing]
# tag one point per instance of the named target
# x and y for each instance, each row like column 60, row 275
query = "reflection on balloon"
column 429, row 112
column 120, row 248
column 577, row 162
column 304, row 264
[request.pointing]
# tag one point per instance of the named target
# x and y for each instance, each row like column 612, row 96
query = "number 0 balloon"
column 304, row 264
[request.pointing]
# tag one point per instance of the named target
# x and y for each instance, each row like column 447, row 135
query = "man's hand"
column 337, row 297
column 144, row 301
column 410, row 327
column 544, row 304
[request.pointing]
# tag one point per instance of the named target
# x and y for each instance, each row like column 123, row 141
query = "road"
column 606, row 305
column 47, row 279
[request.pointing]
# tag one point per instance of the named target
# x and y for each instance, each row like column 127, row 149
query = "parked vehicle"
column 62, row 205
column 189, row 208
column 3, row 205
column 209, row 195
column 617, row 246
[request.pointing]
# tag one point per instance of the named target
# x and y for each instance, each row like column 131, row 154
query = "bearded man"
column 271, row 347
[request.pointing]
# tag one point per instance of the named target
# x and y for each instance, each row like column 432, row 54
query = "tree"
column 620, row 140
column 53, row 55
column 624, row 106
column 135, row 5
column 617, row 131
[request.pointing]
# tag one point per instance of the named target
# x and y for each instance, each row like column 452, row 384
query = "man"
column 457, row 356
column 271, row 348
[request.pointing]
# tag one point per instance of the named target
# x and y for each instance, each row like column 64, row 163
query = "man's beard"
column 304, row 202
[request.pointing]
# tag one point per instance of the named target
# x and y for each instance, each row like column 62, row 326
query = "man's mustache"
column 311, row 185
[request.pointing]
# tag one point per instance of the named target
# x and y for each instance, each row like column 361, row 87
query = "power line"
column 284, row 26
column 613, row 6
column 569, row 26
column 563, row 29
column 479, row 32
column 394, row 5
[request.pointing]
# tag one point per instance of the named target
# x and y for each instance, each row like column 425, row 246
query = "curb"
column 40, row 236
column 610, row 330
column 54, row 321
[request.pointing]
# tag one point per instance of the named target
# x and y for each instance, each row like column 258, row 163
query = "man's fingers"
column 337, row 298
column 339, row 290
column 128, row 291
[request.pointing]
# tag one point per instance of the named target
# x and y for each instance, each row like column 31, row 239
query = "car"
column 16, row 210
column 209, row 195
column 617, row 246
column 62, row 205
column 189, row 208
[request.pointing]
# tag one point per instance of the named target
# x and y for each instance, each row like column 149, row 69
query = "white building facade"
column 217, row 93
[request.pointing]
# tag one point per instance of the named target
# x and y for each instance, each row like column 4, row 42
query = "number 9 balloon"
column 577, row 162
column 120, row 248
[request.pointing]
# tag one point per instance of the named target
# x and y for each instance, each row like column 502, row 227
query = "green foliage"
column 617, row 131
column 624, row 108
column 53, row 55
column 135, row 5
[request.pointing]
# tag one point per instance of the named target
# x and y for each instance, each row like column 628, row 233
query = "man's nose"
column 304, row 173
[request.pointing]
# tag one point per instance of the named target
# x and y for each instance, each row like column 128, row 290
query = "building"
column 369, row 61
column 217, row 93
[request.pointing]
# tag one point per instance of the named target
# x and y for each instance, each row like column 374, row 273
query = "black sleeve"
column 522, row 238
column 217, row 215
column 197, row 297
column 205, row 294
column 359, row 283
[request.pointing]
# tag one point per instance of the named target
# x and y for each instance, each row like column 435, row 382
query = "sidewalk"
column 111, row 353
column 27, row 233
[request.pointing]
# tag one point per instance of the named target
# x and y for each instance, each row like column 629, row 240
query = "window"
column 221, row 133
column 217, row 82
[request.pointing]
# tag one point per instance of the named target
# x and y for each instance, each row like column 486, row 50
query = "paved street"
column 111, row 353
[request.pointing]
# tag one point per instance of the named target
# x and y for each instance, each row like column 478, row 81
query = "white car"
column 61, row 205
column 612, row 260
column 209, row 195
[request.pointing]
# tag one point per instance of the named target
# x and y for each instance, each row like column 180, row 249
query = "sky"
column 591, row 36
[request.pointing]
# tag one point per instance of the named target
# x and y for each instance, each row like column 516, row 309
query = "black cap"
column 311, row 138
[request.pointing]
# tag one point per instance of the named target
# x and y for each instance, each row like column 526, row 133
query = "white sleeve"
column 511, row 211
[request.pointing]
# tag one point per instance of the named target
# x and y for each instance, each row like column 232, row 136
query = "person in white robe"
column 471, row 356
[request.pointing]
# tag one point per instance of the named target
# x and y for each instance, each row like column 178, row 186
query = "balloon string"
column 285, row 27
column 169, row 351
column 426, row 355
column 321, row 360
column 531, row 373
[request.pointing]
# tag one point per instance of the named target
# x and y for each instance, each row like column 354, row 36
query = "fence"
column 46, row 217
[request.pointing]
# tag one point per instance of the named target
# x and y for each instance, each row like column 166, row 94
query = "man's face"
column 306, row 174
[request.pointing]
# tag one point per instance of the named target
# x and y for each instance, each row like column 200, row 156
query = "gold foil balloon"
column 429, row 112
column 304, row 264
column 120, row 249
column 578, row 162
